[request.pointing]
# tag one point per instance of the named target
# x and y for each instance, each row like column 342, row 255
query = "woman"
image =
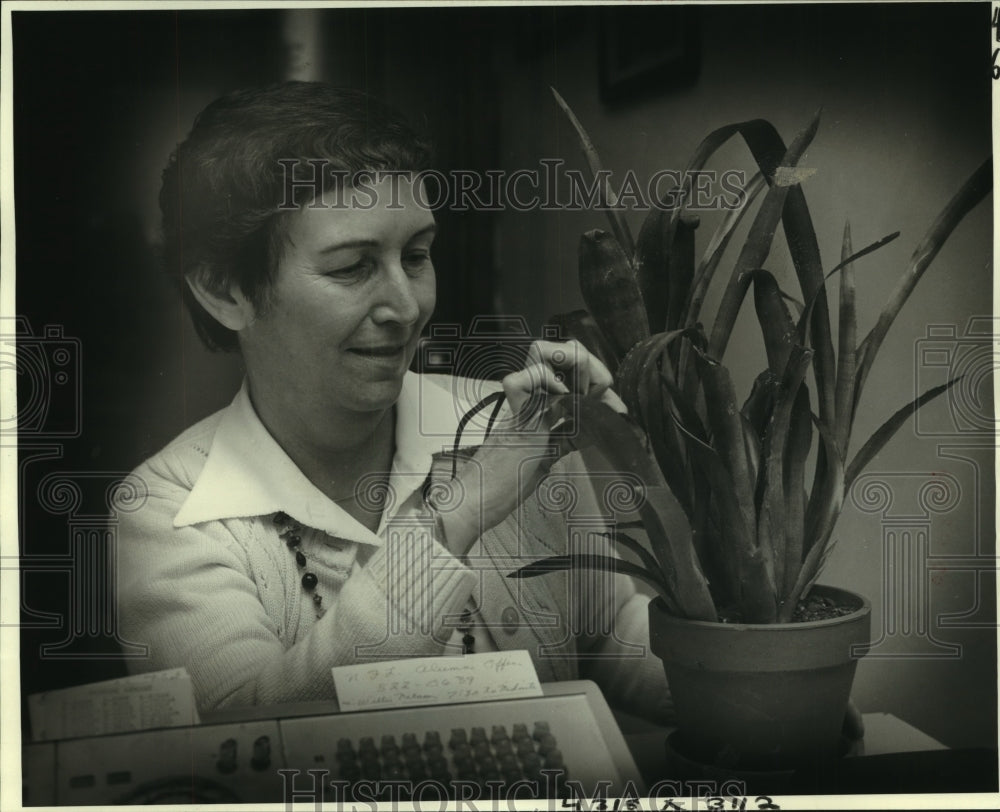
column 294, row 530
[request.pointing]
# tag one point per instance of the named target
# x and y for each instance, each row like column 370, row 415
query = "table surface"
column 884, row 734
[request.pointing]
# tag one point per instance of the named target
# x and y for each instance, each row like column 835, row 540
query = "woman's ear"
column 231, row 309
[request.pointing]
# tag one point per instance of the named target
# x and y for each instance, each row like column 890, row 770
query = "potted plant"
column 738, row 517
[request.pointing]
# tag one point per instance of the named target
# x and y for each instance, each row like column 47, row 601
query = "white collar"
column 248, row 474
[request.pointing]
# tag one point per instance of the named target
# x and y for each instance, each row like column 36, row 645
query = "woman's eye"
column 357, row 270
column 417, row 259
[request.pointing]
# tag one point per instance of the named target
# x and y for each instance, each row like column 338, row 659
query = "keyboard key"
column 520, row 732
column 531, row 761
column 546, row 742
column 541, row 728
column 511, row 775
column 478, row 735
column 432, row 739
column 458, row 736
column 394, row 772
column 508, row 762
column 554, row 759
column 499, row 734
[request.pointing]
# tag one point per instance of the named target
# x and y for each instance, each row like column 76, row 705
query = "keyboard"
column 468, row 755
column 560, row 744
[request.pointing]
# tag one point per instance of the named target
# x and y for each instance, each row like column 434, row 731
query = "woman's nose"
column 397, row 298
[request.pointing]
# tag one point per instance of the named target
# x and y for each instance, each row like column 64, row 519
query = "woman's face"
column 354, row 288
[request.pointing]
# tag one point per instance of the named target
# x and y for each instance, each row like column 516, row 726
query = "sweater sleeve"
column 190, row 595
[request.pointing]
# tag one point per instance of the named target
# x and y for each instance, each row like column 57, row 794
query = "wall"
column 905, row 119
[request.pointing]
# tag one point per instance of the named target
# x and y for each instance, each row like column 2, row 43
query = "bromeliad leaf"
column 618, row 225
column 886, row 431
column 610, row 290
column 601, row 563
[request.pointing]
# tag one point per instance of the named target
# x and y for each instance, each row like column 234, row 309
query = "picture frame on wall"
column 646, row 49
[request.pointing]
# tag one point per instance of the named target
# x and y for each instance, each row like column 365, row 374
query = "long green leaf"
column 710, row 262
column 726, row 423
column 600, row 563
column 618, row 224
column 805, row 316
column 846, row 360
column 681, row 268
column 757, row 246
column 610, row 290
column 649, row 407
column 760, row 403
column 652, row 267
column 716, row 248
column 886, row 431
column 796, row 453
column 768, row 149
column 753, row 582
column 666, row 524
column 775, row 321
column 804, row 249
column 771, row 526
column 635, row 546
column 968, row 197
column 817, row 548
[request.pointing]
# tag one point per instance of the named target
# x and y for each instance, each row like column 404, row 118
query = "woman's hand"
column 509, row 464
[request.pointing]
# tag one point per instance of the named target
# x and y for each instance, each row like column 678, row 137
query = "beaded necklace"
column 290, row 532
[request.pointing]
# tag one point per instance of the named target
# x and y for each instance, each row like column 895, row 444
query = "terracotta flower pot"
column 761, row 696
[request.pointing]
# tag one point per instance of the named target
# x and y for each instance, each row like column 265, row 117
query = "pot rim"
column 791, row 626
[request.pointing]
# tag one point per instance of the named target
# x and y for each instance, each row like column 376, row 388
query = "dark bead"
column 469, row 642
column 317, row 599
column 293, row 539
column 300, row 559
column 309, row 581
column 280, row 518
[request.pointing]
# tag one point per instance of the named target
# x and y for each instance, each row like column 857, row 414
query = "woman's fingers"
column 582, row 372
column 556, row 368
column 528, row 391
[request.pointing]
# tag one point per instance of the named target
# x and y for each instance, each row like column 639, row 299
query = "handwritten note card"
column 436, row 681
column 159, row 699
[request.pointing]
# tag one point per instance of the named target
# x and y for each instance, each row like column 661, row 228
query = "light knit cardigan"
column 205, row 582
